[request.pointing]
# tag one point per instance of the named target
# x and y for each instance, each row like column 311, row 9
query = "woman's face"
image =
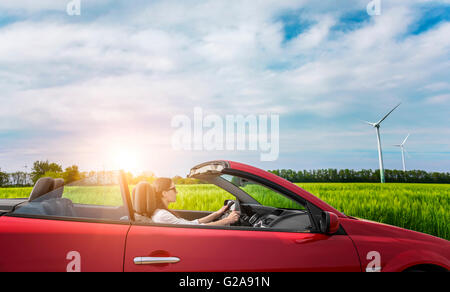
column 171, row 194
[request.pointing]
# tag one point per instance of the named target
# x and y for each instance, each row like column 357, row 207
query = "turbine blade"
column 405, row 139
column 407, row 153
column 388, row 114
column 372, row 124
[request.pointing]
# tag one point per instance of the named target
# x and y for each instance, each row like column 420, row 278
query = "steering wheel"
column 227, row 212
column 237, row 207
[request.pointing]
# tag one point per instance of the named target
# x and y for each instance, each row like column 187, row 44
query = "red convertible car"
column 97, row 225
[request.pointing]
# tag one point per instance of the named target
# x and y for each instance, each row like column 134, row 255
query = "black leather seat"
column 58, row 188
column 143, row 199
column 42, row 187
column 59, row 207
column 46, row 199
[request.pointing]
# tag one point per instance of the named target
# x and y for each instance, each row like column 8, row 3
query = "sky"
column 101, row 89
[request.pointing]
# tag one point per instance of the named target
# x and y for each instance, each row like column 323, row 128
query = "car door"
column 56, row 245
column 80, row 227
column 156, row 247
column 199, row 248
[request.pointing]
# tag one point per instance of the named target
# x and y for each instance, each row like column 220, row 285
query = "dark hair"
column 160, row 185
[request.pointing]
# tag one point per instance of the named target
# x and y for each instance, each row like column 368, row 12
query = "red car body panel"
column 36, row 245
column 399, row 248
column 214, row 250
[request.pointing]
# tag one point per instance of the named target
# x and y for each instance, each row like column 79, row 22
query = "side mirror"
column 329, row 223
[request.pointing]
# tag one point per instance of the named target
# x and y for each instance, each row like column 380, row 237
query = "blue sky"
column 87, row 89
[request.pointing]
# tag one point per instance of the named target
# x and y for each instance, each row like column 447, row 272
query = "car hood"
column 399, row 248
column 372, row 228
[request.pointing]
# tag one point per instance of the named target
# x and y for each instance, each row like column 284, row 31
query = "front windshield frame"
column 299, row 206
column 269, row 184
column 242, row 195
column 314, row 212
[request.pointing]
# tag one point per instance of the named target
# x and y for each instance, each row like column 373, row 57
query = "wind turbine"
column 380, row 154
column 403, row 151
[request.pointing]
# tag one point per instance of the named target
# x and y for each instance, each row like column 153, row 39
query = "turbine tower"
column 403, row 151
column 380, row 154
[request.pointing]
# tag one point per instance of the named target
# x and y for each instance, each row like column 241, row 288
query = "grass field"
column 420, row 207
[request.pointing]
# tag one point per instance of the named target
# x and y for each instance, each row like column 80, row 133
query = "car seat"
column 58, row 188
column 42, row 187
column 46, row 199
column 143, row 199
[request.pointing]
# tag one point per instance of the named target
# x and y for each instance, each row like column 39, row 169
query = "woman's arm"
column 214, row 216
column 233, row 217
column 165, row 217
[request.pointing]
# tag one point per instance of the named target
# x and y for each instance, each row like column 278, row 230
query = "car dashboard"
column 259, row 216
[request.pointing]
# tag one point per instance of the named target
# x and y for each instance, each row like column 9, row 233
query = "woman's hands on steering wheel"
column 221, row 212
column 231, row 217
column 223, row 216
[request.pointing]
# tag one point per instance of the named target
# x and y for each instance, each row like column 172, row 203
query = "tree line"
column 364, row 175
column 41, row 169
column 72, row 174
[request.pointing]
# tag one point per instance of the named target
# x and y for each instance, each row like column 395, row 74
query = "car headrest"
column 43, row 186
column 143, row 198
column 58, row 188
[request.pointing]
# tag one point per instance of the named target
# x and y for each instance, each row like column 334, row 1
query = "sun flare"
column 126, row 159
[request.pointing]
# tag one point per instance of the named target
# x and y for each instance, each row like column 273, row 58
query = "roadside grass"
column 420, row 207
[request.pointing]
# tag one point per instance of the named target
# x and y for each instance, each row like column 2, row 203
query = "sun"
column 126, row 159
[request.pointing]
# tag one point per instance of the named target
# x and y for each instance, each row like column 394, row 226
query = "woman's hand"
column 213, row 216
column 233, row 217
column 222, row 210
column 230, row 219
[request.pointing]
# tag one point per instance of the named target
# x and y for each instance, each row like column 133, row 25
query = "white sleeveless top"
column 165, row 217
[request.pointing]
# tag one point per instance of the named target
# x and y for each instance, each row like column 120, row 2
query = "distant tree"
column 235, row 180
column 177, row 180
column 41, row 167
column 130, row 177
column 53, row 174
column 19, row 178
column 4, row 178
column 71, row 174
column 189, row 181
column 364, row 175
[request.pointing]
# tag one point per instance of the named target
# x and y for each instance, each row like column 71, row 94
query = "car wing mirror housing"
column 329, row 223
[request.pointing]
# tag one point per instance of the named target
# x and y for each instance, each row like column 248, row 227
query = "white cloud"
column 137, row 68
column 314, row 37
column 33, row 6
column 30, row 7
column 439, row 99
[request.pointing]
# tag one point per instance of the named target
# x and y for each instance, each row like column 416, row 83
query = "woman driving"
column 166, row 193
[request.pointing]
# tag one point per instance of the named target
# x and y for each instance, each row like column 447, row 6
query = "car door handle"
column 155, row 260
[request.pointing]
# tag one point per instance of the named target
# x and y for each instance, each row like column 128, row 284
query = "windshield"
column 263, row 194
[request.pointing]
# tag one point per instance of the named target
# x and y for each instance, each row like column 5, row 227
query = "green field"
column 420, row 207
